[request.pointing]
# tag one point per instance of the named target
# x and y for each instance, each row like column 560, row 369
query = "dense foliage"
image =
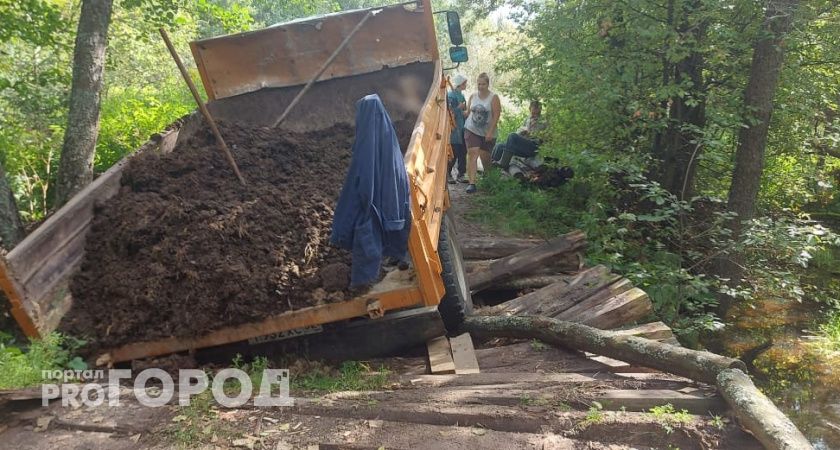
column 645, row 100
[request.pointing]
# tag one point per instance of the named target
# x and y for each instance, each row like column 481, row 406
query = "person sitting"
column 523, row 143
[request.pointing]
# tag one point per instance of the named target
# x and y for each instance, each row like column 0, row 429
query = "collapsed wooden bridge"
column 552, row 292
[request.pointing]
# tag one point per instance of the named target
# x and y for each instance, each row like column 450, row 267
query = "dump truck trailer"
column 251, row 78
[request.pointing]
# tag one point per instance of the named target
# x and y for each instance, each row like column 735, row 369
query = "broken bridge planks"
column 526, row 261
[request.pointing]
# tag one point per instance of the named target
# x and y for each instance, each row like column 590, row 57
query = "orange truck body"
column 245, row 69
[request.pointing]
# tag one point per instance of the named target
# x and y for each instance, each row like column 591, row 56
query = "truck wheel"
column 456, row 303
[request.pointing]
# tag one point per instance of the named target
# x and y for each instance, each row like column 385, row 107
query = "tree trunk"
column 11, row 228
column 679, row 145
column 697, row 365
column 758, row 414
column 526, row 261
column 768, row 56
column 76, row 167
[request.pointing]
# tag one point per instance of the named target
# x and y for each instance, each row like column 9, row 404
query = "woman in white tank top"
column 483, row 109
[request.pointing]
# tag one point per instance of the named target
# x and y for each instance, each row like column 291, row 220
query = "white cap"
column 458, row 80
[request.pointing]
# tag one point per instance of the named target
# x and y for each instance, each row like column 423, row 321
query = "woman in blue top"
column 458, row 105
column 483, row 109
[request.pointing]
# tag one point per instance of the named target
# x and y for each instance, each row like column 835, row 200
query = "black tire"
column 456, row 303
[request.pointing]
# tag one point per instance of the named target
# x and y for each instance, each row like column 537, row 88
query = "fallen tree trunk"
column 525, row 262
column 697, row 365
column 758, row 414
column 495, row 247
column 561, row 264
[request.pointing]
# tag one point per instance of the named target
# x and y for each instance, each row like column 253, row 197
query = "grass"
column 199, row 423
column 718, row 422
column 350, row 376
column 527, row 400
column 594, row 415
column 538, row 346
column 512, row 209
column 23, row 367
column 669, row 417
column 827, row 341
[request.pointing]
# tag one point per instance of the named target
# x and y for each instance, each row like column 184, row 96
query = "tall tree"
column 76, row 166
column 768, row 56
column 679, row 146
column 11, row 229
column 767, row 59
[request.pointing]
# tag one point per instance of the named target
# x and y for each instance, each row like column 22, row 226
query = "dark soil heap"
column 184, row 249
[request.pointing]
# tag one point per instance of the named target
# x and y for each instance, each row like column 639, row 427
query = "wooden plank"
column 493, row 247
column 463, row 353
column 558, row 297
column 657, row 331
column 440, row 356
column 44, row 289
column 536, row 381
column 645, row 399
column 361, row 339
column 621, row 309
column 35, row 268
column 526, row 261
column 494, row 417
column 291, row 320
column 628, row 307
column 16, row 299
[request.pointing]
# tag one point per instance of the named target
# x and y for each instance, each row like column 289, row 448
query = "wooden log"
column 492, row 247
column 562, row 264
column 202, row 107
column 626, row 307
column 697, row 365
column 531, row 282
column 557, row 297
column 758, row 414
column 526, row 261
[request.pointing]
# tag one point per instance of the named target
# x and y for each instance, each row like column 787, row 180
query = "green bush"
column 24, row 367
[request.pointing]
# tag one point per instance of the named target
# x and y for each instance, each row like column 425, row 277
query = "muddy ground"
column 184, row 249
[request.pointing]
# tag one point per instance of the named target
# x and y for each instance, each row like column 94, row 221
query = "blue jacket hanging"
column 373, row 217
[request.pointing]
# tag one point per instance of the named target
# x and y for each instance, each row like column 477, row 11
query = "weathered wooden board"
column 558, row 297
column 657, row 331
column 493, row 247
column 36, row 268
column 624, row 308
column 440, row 356
column 463, row 353
column 406, row 297
column 361, row 339
column 645, row 399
